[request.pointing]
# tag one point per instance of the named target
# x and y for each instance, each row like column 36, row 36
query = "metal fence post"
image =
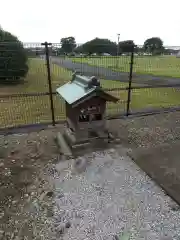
column 130, row 81
column 46, row 44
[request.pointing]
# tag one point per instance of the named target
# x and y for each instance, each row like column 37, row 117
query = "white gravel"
column 112, row 196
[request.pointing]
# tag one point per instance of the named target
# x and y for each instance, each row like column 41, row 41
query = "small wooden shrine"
column 85, row 103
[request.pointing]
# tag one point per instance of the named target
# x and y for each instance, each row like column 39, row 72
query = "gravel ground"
column 148, row 132
column 112, row 197
column 99, row 195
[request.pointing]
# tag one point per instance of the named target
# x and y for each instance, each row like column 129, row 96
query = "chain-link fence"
column 143, row 84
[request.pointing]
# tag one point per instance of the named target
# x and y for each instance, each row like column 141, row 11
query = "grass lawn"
column 142, row 98
column 158, row 66
column 16, row 111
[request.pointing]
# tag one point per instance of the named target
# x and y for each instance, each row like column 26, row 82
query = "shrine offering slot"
column 84, row 118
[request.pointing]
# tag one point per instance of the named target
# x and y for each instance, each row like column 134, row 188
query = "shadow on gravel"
column 162, row 165
column 155, row 143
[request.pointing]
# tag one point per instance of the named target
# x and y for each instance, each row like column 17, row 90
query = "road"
column 109, row 74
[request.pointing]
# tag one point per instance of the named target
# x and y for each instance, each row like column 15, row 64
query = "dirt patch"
column 155, row 142
column 25, row 184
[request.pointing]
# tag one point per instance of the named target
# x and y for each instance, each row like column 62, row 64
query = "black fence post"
column 46, row 44
column 130, row 81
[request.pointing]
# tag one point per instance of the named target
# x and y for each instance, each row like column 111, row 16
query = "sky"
column 40, row 21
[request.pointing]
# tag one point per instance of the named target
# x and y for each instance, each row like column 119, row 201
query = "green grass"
column 142, row 98
column 158, row 66
column 16, row 111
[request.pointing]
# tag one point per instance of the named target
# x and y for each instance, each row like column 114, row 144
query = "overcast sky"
column 39, row 21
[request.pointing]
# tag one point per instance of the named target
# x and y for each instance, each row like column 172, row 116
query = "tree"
column 13, row 58
column 68, row 44
column 126, row 46
column 154, row 46
column 99, row 46
column 138, row 50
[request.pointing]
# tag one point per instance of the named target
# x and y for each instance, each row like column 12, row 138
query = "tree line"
column 99, row 46
column 14, row 56
column 152, row 46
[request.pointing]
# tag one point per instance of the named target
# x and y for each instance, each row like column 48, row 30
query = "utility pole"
column 117, row 51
